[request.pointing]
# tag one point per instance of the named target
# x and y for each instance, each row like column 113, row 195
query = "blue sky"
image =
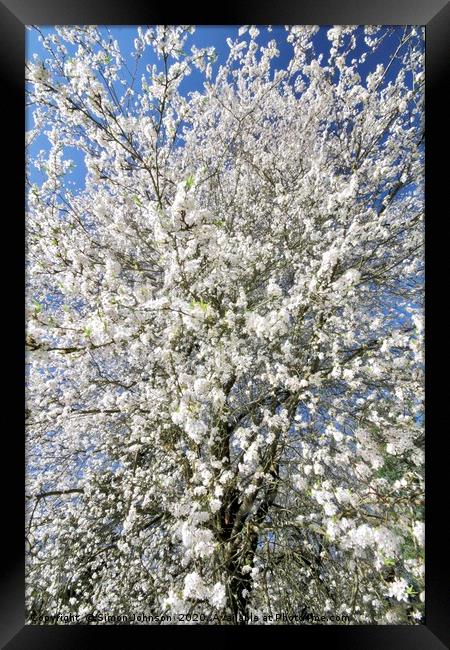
column 204, row 36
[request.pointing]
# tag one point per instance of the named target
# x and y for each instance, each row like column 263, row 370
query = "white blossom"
column 225, row 321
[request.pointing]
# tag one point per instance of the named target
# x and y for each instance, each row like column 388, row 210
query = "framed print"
column 226, row 359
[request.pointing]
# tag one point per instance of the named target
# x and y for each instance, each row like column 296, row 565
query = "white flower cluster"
column 397, row 589
column 377, row 538
column 198, row 542
column 196, row 589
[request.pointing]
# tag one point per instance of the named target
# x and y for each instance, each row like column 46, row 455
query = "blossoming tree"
column 224, row 327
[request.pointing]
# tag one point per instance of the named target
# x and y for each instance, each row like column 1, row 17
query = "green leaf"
column 87, row 331
column 137, row 201
column 199, row 303
column 189, row 182
column 37, row 307
column 408, row 549
column 392, row 470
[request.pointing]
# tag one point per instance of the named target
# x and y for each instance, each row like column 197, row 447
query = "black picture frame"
column 435, row 15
